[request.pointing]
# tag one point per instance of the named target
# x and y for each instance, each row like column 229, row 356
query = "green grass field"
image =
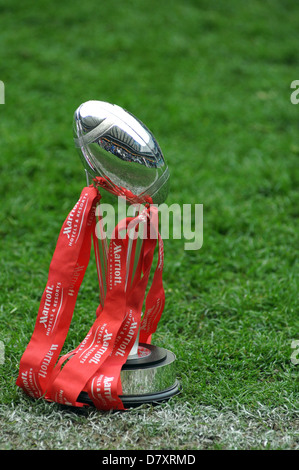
column 211, row 79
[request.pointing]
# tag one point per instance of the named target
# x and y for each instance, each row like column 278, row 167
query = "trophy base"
column 148, row 377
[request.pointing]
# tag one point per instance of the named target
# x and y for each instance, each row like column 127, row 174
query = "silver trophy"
column 121, row 150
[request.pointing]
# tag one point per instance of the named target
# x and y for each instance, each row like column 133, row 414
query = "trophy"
column 115, row 366
column 121, row 155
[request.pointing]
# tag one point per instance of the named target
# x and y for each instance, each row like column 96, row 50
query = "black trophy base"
column 148, row 377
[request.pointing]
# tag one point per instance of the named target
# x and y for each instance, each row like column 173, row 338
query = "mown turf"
column 212, row 81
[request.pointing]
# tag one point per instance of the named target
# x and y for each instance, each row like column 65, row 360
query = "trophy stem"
column 101, row 249
column 133, row 258
column 102, row 256
column 134, row 252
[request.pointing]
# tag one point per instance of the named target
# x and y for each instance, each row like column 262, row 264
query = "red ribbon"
column 95, row 365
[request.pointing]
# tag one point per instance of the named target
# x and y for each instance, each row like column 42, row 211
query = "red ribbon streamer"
column 95, row 365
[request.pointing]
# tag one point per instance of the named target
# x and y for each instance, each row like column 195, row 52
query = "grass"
column 212, row 81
